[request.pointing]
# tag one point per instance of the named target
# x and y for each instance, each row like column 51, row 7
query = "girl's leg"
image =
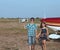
column 43, row 44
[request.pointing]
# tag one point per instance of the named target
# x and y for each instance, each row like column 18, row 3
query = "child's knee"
column 43, row 43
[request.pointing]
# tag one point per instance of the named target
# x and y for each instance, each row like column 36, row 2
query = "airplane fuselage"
column 53, row 23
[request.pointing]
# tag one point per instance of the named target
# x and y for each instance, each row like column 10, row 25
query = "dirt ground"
column 13, row 37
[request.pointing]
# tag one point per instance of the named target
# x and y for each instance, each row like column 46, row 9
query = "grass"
column 15, row 28
column 7, row 20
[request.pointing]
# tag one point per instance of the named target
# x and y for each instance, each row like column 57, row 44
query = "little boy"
column 32, row 32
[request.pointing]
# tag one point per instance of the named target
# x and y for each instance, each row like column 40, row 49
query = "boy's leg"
column 33, row 47
column 30, row 47
column 31, row 41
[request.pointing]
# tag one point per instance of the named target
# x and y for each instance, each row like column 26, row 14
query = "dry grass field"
column 13, row 36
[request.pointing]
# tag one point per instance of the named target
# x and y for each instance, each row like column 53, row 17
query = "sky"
column 29, row 8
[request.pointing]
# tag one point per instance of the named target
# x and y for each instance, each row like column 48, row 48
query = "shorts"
column 31, row 40
column 43, row 38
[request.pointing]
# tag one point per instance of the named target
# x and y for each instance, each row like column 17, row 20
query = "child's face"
column 32, row 20
column 43, row 24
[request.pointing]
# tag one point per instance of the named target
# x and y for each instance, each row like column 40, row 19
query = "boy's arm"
column 26, row 26
column 36, row 32
column 36, row 27
column 39, row 34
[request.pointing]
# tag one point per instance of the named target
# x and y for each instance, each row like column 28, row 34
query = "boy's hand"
column 24, row 26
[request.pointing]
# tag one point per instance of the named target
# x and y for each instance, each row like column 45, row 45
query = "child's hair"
column 32, row 19
column 41, row 24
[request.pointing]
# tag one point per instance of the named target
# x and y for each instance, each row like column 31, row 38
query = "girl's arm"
column 47, row 32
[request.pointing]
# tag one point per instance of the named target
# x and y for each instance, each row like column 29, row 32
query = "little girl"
column 43, row 35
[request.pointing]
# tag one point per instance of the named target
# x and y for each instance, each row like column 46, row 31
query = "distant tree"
column 37, row 18
column 2, row 17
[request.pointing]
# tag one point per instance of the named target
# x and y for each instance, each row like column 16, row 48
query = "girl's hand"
column 48, row 39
